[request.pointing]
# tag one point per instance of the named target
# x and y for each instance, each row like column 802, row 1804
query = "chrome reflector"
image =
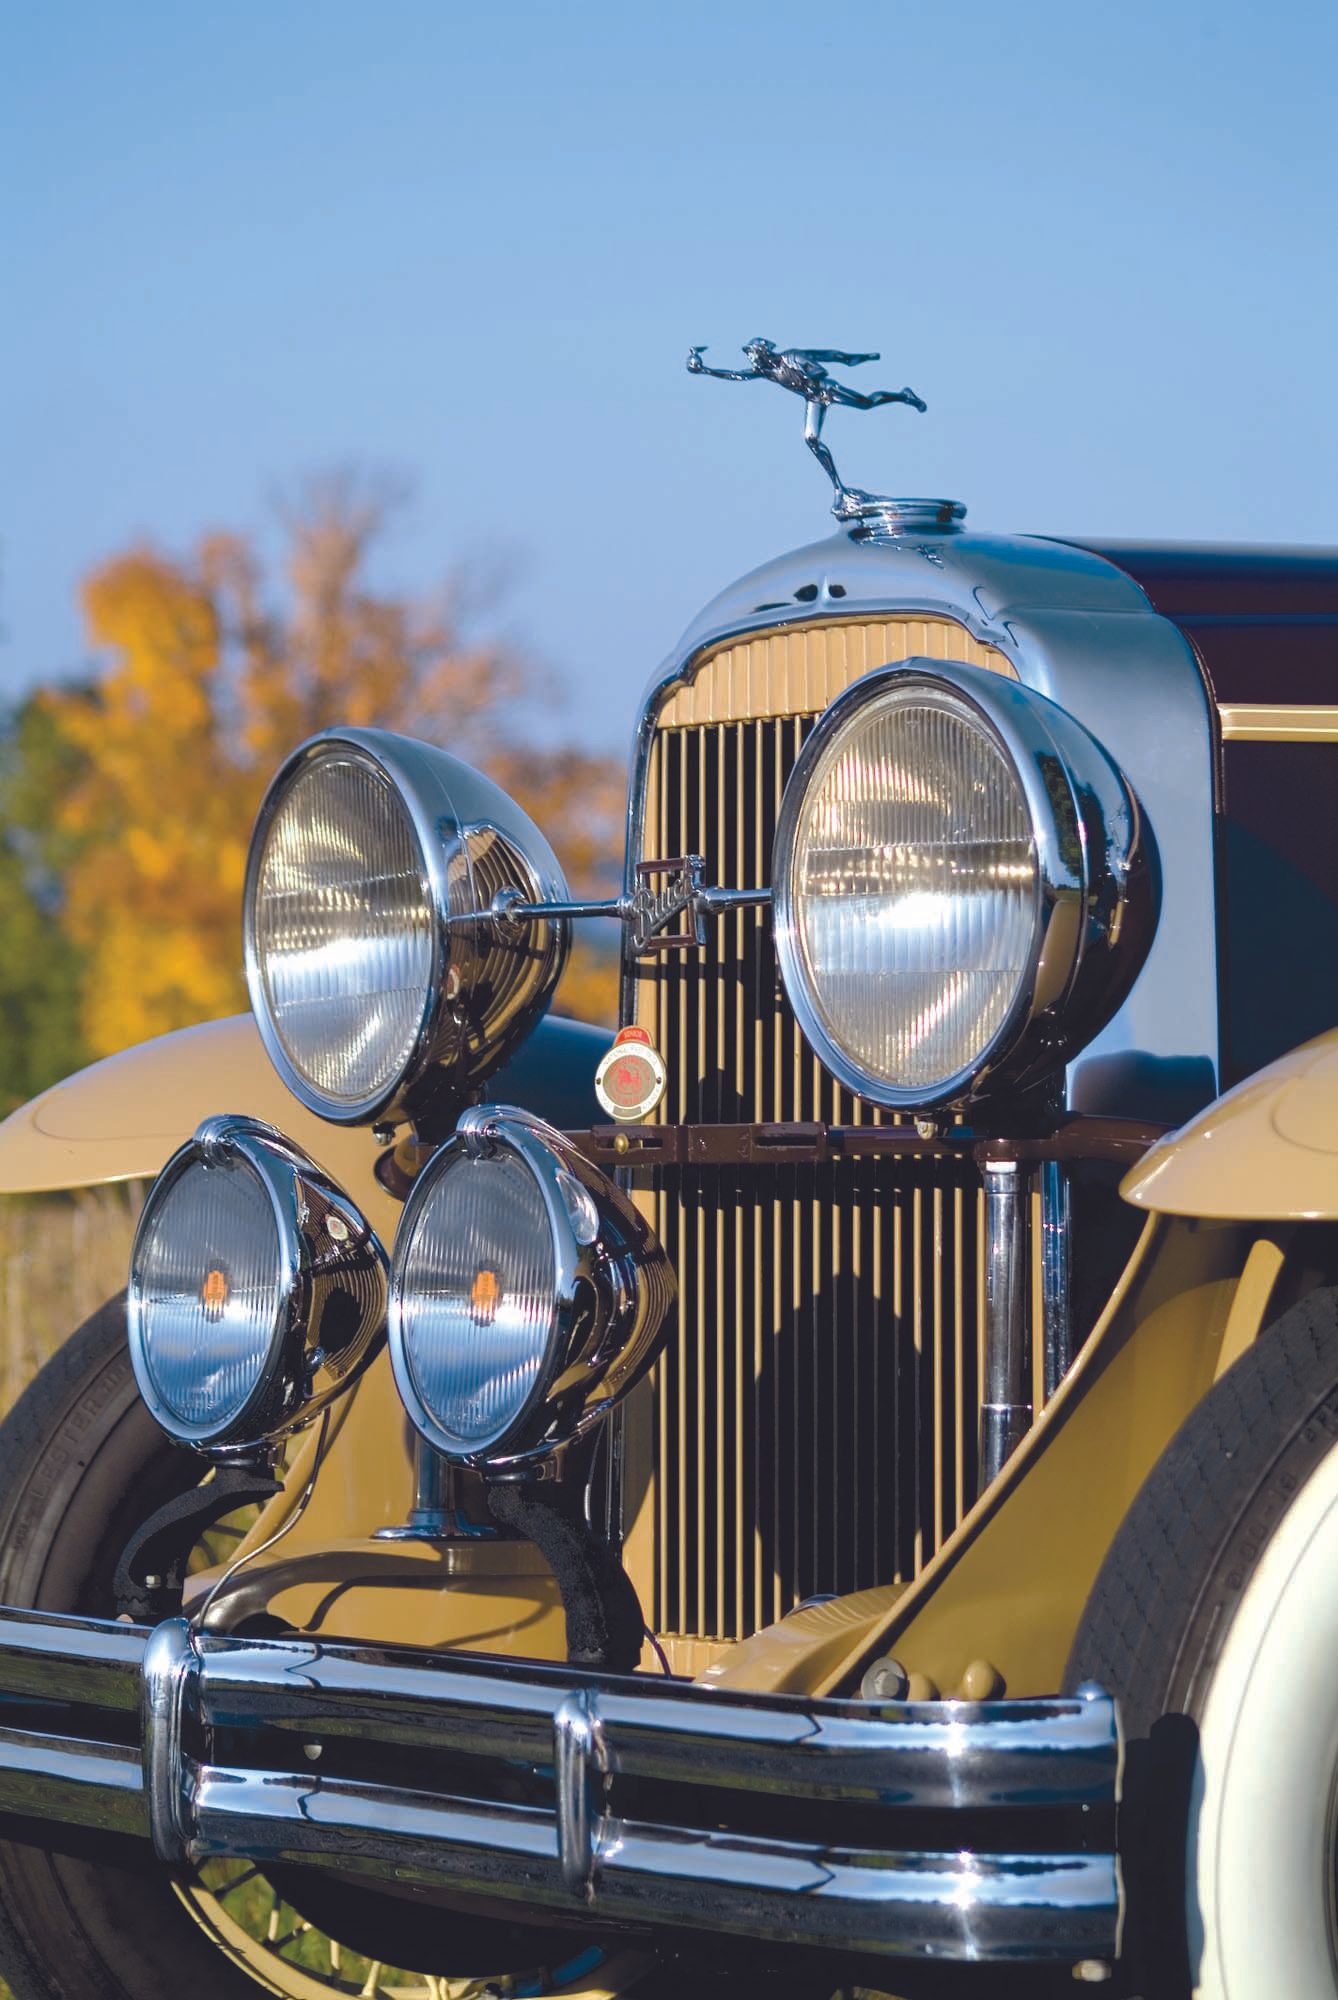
column 209, row 1284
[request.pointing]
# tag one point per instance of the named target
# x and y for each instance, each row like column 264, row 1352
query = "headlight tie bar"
column 665, row 891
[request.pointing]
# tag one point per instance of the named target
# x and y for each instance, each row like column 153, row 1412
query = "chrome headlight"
column 257, row 1291
column 962, row 887
column 527, row 1294
column 373, row 968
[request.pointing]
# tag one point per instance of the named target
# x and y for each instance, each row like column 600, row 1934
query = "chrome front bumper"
column 934, row 1830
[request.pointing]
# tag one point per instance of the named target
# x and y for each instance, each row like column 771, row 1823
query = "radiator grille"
column 815, row 1422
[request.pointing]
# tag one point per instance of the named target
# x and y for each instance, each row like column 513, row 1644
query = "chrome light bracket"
column 331, row 1285
column 612, row 1295
column 436, row 1515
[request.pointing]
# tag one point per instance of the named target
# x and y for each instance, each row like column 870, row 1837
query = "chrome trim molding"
column 1056, row 1273
column 863, row 1884
column 1260, row 722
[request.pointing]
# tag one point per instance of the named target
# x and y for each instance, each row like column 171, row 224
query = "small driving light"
column 527, row 1294
column 257, row 1290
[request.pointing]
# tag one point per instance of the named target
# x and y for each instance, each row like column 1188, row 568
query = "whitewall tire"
column 1260, row 1872
column 1215, row 1621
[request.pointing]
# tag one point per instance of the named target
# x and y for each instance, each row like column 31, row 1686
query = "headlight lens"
column 915, row 887
column 526, row 1292
column 209, row 1286
column 372, row 962
column 954, row 861
column 479, row 1293
column 257, row 1291
column 343, row 930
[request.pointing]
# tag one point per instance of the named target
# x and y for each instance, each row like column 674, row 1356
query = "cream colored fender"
column 122, row 1118
column 1266, row 1151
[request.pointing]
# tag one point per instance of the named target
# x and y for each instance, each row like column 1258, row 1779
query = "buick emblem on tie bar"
column 665, row 892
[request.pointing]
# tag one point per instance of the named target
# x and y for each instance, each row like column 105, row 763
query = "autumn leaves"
column 211, row 672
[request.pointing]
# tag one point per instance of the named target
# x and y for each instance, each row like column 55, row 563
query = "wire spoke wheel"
column 267, row 1938
column 82, row 1467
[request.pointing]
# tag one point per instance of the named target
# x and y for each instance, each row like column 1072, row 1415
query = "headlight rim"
column 286, row 1395
column 1012, row 715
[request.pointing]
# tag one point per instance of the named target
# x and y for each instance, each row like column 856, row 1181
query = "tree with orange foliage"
column 210, row 681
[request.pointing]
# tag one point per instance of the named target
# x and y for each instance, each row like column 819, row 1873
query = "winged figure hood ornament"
column 803, row 371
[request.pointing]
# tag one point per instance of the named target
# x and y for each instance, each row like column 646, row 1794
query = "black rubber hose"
column 605, row 1627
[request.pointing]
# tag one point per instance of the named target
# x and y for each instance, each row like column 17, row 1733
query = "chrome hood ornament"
column 803, row 371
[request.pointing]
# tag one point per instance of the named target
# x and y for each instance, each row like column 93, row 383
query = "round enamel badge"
column 631, row 1078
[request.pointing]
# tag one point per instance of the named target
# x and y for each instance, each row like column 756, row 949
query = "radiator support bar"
column 1120, row 1141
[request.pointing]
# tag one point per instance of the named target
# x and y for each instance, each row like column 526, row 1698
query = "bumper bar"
column 943, row 1830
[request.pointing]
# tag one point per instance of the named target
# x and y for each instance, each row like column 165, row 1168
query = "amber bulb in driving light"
column 485, row 1296
column 214, row 1293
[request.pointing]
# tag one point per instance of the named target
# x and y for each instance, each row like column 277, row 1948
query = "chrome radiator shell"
column 719, row 729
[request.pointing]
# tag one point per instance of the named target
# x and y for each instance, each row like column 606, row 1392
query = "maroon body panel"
column 1264, row 625
column 1264, row 622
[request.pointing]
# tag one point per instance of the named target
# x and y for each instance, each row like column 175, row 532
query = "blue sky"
column 471, row 245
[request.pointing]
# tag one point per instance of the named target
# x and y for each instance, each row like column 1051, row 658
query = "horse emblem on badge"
column 631, row 1077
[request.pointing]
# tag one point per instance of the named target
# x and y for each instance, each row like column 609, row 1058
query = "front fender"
column 122, row 1118
column 1266, row 1151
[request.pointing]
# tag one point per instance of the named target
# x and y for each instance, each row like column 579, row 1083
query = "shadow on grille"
column 817, row 1416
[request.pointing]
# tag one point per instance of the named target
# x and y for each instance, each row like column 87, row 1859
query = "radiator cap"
column 868, row 517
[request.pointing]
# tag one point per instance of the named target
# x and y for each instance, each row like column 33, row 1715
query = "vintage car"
column 836, row 1488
